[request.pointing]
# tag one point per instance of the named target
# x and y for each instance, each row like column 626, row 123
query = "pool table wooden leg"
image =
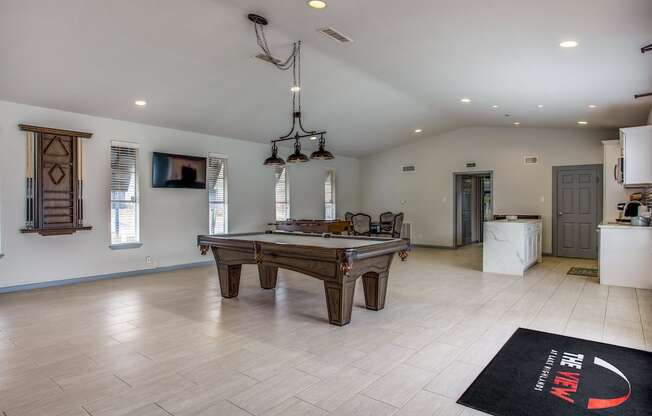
column 229, row 277
column 267, row 275
column 375, row 290
column 339, row 300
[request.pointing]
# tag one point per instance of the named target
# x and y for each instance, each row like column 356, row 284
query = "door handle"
column 561, row 213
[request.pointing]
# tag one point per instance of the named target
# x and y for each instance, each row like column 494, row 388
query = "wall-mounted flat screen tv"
column 178, row 171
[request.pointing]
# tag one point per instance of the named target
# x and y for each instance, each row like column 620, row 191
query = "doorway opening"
column 473, row 206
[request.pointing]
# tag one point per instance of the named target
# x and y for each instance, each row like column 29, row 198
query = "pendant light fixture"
column 297, row 156
column 322, row 153
column 274, row 160
column 297, row 131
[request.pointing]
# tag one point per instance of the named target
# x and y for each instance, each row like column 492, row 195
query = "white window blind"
column 217, row 197
column 124, row 194
column 329, row 196
column 282, row 190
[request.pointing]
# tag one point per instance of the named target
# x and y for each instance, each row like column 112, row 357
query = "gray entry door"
column 577, row 211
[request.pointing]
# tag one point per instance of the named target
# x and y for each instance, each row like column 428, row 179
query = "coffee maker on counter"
column 635, row 211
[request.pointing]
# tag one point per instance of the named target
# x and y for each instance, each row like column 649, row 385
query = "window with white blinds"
column 217, row 196
column 124, row 194
column 329, row 196
column 282, row 190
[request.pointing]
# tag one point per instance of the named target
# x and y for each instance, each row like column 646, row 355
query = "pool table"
column 336, row 260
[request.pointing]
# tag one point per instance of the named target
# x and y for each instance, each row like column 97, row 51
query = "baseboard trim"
column 85, row 279
column 455, row 248
column 434, row 246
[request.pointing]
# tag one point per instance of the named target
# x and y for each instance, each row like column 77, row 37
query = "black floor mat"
column 542, row 374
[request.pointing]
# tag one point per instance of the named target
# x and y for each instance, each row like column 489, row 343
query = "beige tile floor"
column 167, row 344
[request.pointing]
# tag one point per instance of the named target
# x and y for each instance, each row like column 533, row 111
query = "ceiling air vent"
column 408, row 168
column 334, row 34
column 530, row 160
column 268, row 59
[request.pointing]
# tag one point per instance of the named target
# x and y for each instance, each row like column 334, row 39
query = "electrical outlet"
column 148, row 260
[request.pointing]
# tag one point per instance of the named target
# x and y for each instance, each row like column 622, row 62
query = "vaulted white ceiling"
column 409, row 65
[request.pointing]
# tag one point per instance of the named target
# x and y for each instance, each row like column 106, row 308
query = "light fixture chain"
column 262, row 43
column 298, row 64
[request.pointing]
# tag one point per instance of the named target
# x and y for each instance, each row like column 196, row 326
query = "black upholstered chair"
column 386, row 222
column 394, row 229
column 398, row 225
column 361, row 224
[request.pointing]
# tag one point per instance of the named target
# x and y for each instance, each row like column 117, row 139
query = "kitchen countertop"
column 514, row 221
column 620, row 226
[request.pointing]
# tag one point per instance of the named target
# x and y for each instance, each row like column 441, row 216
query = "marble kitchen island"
column 511, row 246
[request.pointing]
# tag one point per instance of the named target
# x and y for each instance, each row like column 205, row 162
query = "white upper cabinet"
column 636, row 143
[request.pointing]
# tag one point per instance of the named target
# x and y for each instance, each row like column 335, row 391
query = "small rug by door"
column 542, row 374
column 583, row 271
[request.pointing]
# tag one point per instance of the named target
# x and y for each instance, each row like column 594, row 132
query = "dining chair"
column 398, row 225
column 361, row 224
column 386, row 222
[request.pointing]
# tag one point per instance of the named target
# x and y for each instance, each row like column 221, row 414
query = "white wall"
column 427, row 195
column 171, row 219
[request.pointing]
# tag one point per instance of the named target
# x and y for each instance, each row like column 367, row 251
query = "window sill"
column 125, row 246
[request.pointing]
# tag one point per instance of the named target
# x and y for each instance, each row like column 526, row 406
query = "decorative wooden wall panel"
column 54, row 198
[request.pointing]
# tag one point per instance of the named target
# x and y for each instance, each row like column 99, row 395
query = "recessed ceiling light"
column 495, row 106
column 517, row 123
column 582, row 122
column 540, row 106
column 313, row 138
column 317, row 4
column 140, row 103
column 465, row 100
column 569, row 44
column 593, row 106
column 295, row 88
column 418, row 130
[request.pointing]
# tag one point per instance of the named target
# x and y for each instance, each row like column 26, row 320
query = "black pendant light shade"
column 297, row 156
column 322, row 153
column 274, row 160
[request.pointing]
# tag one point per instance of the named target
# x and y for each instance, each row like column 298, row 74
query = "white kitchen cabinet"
column 636, row 144
column 532, row 243
column 626, row 256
